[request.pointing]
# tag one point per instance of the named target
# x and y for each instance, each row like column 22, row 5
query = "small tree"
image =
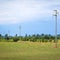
column 16, row 38
column 42, row 37
column 0, row 37
column 33, row 38
column 6, row 37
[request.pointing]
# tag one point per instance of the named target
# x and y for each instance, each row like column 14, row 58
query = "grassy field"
column 29, row 51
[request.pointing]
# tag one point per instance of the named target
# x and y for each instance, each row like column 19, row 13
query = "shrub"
column 15, row 39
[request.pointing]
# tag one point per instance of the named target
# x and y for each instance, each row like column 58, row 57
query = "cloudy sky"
column 34, row 16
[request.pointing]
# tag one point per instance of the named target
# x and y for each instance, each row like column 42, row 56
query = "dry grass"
column 29, row 51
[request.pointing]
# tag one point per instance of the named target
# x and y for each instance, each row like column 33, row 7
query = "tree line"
column 33, row 38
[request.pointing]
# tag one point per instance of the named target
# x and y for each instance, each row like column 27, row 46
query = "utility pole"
column 8, row 33
column 55, row 14
column 20, row 31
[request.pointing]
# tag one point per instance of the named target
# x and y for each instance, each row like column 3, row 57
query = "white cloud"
column 23, row 10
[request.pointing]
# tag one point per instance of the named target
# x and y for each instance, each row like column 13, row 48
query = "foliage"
column 6, row 37
column 33, row 38
column 16, row 38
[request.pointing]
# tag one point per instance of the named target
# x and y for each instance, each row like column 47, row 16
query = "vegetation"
column 33, row 38
column 16, row 38
column 29, row 51
column 28, row 47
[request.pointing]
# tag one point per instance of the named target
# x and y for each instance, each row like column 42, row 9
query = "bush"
column 15, row 39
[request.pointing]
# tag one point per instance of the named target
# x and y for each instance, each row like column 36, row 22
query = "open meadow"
column 29, row 51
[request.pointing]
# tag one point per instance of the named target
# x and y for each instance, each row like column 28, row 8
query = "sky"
column 34, row 16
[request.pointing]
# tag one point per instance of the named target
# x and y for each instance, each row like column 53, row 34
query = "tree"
column 25, row 38
column 29, row 38
column 42, row 37
column 15, row 38
column 0, row 36
column 46, row 37
column 50, row 39
column 33, row 38
column 6, row 37
column 58, row 36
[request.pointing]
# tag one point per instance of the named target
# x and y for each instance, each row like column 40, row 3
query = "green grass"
column 29, row 51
